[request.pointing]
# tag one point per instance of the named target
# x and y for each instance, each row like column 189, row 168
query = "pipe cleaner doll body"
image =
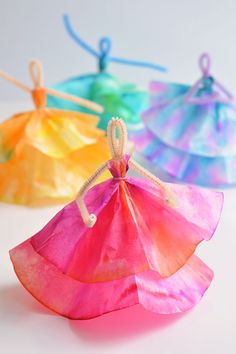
column 123, row 242
column 117, row 97
column 42, row 151
column 190, row 132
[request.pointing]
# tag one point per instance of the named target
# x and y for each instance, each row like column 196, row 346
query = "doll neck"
column 207, row 83
column 103, row 63
column 39, row 97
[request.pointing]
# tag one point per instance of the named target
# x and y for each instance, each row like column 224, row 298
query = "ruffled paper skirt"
column 193, row 142
column 215, row 172
column 118, row 98
column 140, row 250
column 76, row 300
column 34, row 178
column 46, row 155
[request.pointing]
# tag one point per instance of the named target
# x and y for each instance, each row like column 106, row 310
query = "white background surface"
column 171, row 33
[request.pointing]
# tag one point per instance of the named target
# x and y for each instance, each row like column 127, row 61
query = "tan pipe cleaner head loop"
column 117, row 144
column 36, row 73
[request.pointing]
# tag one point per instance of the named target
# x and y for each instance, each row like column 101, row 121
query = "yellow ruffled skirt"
column 47, row 154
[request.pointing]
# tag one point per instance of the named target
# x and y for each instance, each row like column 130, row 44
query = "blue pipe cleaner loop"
column 104, row 50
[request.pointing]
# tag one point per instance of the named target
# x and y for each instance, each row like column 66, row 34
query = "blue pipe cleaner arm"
column 105, row 45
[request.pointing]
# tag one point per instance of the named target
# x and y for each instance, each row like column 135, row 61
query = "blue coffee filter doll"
column 118, row 98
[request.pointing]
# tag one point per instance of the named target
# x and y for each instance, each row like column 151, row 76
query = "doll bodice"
column 119, row 167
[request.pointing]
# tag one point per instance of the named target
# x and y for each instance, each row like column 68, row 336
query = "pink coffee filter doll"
column 122, row 242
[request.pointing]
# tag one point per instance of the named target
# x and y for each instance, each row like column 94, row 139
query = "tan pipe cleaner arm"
column 80, row 101
column 14, row 81
column 89, row 219
column 145, row 173
column 36, row 73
